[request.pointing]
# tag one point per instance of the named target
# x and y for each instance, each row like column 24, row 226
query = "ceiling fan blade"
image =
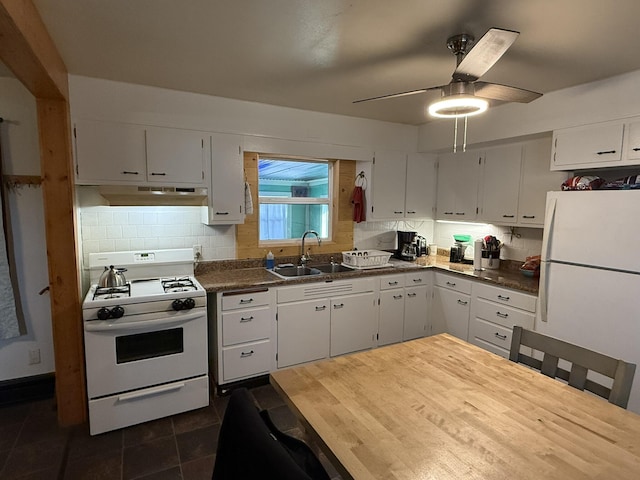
column 484, row 54
column 401, row 94
column 495, row 91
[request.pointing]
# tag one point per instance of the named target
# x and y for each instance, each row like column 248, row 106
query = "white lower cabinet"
column 451, row 303
column 416, row 312
column 494, row 312
column 322, row 319
column 391, row 312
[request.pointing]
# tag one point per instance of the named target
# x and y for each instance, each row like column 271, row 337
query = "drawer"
column 416, row 279
column 491, row 333
column 506, row 297
column 246, row 360
column 246, row 325
column 325, row 289
column 244, row 299
column 453, row 282
column 490, row 347
column 502, row 315
column 391, row 281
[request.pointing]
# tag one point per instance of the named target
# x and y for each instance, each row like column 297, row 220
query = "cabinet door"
column 632, row 148
column 536, row 181
column 450, row 312
column 587, row 147
column 303, row 332
column 457, row 197
column 389, row 176
column 416, row 312
column 352, row 323
column 501, row 184
column 226, row 189
column 420, row 198
column 391, row 315
column 175, row 156
column 109, row 152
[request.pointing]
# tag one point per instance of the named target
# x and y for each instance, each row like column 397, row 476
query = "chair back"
column 582, row 360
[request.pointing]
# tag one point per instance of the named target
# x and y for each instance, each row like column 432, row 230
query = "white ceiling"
column 323, row 54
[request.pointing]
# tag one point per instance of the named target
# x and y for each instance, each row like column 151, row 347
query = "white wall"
column 21, row 156
column 613, row 98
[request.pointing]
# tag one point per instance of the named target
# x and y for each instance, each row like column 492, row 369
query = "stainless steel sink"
column 333, row 268
column 295, row 271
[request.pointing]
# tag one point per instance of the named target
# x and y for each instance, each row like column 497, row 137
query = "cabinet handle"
column 605, row 152
column 411, row 295
column 501, row 337
column 392, row 283
column 462, row 302
column 417, row 280
column 130, row 173
column 411, row 211
column 451, row 284
column 338, row 305
column 161, row 174
column 246, row 354
column 508, row 216
column 397, row 212
column 243, row 301
column 246, row 319
column 502, row 315
column 321, row 308
column 222, row 213
column 397, row 297
column 528, row 216
column 503, row 298
column 448, row 213
column 636, row 149
column 459, row 213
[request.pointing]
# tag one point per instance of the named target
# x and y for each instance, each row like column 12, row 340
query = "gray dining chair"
column 582, row 360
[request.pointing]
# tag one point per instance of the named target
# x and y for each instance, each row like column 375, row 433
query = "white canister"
column 477, row 254
column 433, row 249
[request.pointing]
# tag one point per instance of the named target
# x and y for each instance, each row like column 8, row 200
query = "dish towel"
column 358, row 200
column 248, row 200
column 9, row 326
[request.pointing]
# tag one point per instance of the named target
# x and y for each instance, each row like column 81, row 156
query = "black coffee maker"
column 407, row 249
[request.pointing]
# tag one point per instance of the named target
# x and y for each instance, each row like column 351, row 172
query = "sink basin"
column 333, row 268
column 295, row 271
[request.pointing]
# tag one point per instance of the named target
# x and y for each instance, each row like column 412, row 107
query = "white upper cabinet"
column 632, row 143
column 420, row 195
column 226, row 187
column 458, row 175
column 501, row 184
column 175, row 156
column 588, row 146
column 388, row 177
column 120, row 153
column 109, row 152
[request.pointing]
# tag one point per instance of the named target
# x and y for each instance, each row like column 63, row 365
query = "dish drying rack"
column 363, row 259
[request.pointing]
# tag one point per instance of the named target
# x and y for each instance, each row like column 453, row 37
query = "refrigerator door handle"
column 549, row 217
column 542, row 292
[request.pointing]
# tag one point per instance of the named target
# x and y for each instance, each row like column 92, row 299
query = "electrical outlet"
column 197, row 252
column 34, row 356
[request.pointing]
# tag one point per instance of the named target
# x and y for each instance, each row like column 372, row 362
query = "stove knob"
column 188, row 303
column 177, row 304
column 117, row 312
column 103, row 314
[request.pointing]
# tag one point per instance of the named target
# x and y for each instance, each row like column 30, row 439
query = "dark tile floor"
column 34, row 447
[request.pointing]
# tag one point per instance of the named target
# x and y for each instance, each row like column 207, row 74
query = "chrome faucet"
column 304, row 256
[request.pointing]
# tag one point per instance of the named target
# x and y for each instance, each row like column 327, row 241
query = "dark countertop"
column 237, row 275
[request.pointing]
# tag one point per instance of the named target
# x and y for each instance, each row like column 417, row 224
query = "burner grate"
column 112, row 292
column 182, row 284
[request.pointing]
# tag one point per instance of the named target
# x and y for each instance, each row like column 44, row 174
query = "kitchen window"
column 294, row 196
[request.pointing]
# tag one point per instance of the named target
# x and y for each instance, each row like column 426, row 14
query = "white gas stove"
column 145, row 341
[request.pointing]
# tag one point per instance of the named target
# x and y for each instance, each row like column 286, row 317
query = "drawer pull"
column 397, row 211
column 501, row 337
column 338, row 305
column 246, row 354
column 528, row 216
column 503, row 298
column 246, row 319
column 397, row 297
column 130, row 173
column 502, row 315
column 411, row 211
column 244, row 302
column 508, row 216
column 462, row 302
column 417, row 280
column 160, row 174
column 392, row 283
column 448, row 213
column 635, row 149
column 321, row 308
column 222, row 213
column 411, row 295
column 605, row 152
column 451, row 284
column 459, row 213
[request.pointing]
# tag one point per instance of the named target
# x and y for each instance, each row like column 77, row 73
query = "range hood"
column 130, row 195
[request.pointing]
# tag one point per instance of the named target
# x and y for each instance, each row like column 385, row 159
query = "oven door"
column 124, row 354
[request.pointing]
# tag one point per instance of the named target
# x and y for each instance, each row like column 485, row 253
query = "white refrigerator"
column 590, row 274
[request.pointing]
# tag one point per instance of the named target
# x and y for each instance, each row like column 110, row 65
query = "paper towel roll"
column 477, row 255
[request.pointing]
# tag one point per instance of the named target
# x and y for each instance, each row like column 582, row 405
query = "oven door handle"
column 143, row 325
column 150, row 391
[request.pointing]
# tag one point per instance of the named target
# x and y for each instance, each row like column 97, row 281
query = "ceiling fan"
column 465, row 95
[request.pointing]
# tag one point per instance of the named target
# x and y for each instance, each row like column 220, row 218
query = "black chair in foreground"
column 251, row 447
column 582, row 360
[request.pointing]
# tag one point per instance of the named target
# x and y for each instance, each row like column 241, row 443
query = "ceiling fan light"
column 458, row 106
